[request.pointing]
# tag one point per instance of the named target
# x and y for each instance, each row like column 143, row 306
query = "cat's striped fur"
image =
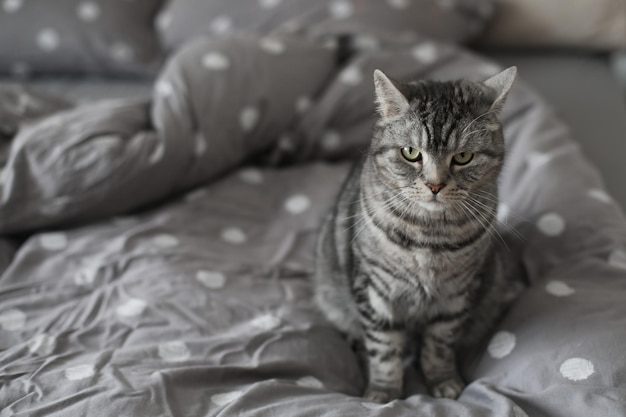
column 409, row 246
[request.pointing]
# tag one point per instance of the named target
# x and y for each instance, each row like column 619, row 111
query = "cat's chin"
column 433, row 205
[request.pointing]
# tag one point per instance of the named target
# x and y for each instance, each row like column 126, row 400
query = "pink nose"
column 435, row 188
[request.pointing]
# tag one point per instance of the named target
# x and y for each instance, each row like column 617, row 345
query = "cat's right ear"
column 391, row 102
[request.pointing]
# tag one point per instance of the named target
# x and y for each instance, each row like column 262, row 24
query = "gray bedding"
column 164, row 246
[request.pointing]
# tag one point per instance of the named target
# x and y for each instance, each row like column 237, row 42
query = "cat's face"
column 439, row 144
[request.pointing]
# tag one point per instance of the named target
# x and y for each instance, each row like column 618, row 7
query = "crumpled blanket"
column 156, row 255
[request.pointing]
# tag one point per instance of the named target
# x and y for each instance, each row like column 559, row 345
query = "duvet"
column 155, row 255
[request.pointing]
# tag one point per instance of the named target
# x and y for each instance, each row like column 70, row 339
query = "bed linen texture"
column 156, row 253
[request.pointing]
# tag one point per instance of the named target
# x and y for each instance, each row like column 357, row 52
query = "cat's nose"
column 435, row 188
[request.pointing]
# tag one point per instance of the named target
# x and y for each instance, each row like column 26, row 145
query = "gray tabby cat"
column 409, row 245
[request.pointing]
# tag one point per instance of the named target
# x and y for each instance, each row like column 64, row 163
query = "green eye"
column 462, row 158
column 411, row 154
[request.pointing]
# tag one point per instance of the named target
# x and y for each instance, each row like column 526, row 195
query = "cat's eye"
column 462, row 158
column 411, row 154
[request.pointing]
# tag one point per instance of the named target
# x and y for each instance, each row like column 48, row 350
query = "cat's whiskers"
column 487, row 224
column 491, row 197
column 494, row 211
column 362, row 223
column 478, row 131
column 494, row 111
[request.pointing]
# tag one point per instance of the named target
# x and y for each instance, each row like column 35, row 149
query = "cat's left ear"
column 391, row 102
column 501, row 84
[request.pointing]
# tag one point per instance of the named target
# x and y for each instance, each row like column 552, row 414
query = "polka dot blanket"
column 156, row 256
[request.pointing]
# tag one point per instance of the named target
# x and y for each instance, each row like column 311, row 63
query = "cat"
column 409, row 245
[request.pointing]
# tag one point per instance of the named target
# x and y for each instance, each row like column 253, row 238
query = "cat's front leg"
column 438, row 359
column 384, row 349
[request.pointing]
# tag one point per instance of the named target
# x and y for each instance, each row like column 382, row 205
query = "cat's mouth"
column 433, row 204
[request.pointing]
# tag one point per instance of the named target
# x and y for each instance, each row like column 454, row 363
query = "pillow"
column 451, row 20
column 107, row 37
column 600, row 24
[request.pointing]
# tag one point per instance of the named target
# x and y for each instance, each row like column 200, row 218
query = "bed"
column 157, row 232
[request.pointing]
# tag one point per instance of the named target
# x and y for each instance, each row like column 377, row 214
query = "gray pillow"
column 108, row 37
column 450, row 20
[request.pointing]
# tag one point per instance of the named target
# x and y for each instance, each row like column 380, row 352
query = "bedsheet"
column 155, row 254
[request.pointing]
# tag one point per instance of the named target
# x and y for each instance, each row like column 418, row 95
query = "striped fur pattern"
column 409, row 247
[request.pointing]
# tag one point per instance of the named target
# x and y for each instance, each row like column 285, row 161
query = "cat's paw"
column 381, row 395
column 449, row 388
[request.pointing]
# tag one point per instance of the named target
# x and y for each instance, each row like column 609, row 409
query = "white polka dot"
column 251, row 176
column 341, row 9
column 425, row 53
column 42, row 344
column 221, row 25
column 11, row 6
column 518, row 412
column 158, row 152
column 366, row 42
column 537, row 159
column 331, row 140
column 55, row 206
column 559, row 289
column 211, row 279
column 551, row 224
column 577, row 369
column 165, row 241
column 272, row 46
column 80, row 372
column 600, row 195
column 200, row 145
column 234, row 235
column 131, row 308
column 122, row 52
column 269, row 4
column 88, row 11
column 248, row 118
column 617, row 258
column 164, row 20
column 303, row 104
column 310, row 382
column 351, row 76
column 266, row 322
column 48, row 40
column 164, row 88
column 215, row 61
column 399, row 4
column 86, row 277
column 53, row 241
column 175, row 351
column 12, row 320
column 195, row 195
column 297, row 204
column 501, row 345
column 503, row 213
column 225, row 398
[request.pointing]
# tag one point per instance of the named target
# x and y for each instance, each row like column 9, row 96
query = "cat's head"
column 438, row 143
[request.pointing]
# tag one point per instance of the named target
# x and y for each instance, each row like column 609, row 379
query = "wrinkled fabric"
column 200, row 304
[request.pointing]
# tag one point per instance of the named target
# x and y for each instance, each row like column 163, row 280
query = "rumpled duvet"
column 156, row 255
